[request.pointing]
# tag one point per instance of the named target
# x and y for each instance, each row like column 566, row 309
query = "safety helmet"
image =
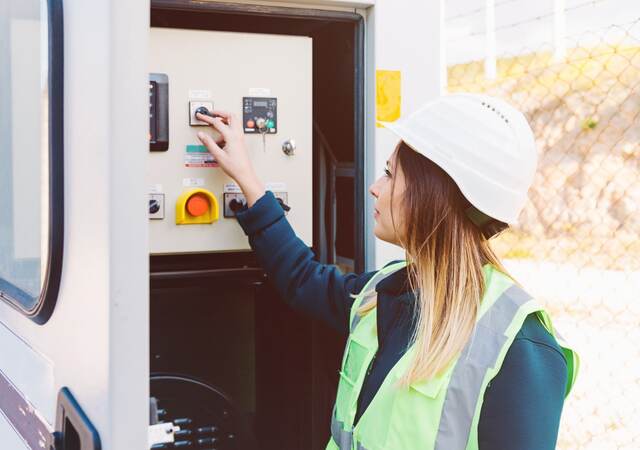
column 483, row 143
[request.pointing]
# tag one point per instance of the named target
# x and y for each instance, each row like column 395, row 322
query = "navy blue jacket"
column 522, row 404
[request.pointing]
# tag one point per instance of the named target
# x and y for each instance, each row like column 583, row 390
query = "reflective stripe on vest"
column 375, row 279
column 466, row 382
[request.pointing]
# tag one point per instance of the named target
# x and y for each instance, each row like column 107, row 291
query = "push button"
column 197, row 205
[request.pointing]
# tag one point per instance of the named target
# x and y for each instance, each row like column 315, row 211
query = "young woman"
column 445, row 350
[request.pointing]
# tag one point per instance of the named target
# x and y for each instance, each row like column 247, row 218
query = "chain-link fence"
column 577, row 247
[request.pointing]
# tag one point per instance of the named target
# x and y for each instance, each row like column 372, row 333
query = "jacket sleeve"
column 318, row 290
column 523, row 404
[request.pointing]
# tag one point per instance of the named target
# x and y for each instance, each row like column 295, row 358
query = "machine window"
column 31, row 154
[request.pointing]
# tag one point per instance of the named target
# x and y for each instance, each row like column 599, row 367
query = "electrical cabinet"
column 266, row 81
column 225, row 350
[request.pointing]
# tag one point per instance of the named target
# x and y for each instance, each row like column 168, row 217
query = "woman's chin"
column 380, row 234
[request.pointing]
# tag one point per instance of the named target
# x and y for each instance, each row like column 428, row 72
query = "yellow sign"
column 388, row 95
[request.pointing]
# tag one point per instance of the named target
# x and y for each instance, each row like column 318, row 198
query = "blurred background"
column 573, row 68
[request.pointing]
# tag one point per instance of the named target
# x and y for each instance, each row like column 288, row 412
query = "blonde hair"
column 445, row 255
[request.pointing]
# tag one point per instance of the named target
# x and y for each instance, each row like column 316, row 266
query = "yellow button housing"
column 183, row 217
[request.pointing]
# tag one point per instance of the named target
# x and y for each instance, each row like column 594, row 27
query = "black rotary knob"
column 236, row 205
column 203, row 110
column 283, row 204
column 154, row 206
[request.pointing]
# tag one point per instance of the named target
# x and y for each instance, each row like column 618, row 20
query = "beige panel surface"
column 231, row 66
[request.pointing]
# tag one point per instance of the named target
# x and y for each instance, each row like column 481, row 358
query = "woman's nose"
column 373, row 190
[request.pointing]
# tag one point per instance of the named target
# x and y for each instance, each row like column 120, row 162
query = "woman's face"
column 384, row 228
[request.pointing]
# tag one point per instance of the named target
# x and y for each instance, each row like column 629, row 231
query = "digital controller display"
column 260, row 115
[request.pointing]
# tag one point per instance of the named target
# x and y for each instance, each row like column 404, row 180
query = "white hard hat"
column 483, row 143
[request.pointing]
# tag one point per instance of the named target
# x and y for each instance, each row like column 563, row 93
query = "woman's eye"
column 387, row 173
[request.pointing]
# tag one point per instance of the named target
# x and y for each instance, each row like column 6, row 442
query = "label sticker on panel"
column 199, row 94
column 193, row 182
column 276, row 186
column 257, row 92
column 232, row 188
column 198, row 156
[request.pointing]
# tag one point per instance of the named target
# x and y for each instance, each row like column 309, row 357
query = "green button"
column 270, row 123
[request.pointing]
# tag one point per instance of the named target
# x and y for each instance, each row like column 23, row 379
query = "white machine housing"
column 97, row 341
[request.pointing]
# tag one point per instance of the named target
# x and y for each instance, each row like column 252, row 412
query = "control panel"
column 192, row 202
column 260, row 115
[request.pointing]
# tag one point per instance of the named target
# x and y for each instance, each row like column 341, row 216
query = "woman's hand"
column 233, row 157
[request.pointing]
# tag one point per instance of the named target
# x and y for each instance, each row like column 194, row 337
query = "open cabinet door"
column 73, row 238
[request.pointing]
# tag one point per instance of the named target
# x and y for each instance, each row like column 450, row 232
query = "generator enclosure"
column 133, row 312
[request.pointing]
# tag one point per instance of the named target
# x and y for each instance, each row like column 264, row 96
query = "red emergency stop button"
column 251, row 124
column 197, row 205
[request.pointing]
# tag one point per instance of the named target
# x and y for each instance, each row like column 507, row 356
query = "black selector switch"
column 204, row 111
column 233, row 203
column 236, row 205
column 154, row 206
column 283, row 204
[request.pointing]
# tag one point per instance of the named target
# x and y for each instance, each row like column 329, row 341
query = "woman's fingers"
column 226, row 117
column 211, row 145
column 217, row 123
column 230, row 118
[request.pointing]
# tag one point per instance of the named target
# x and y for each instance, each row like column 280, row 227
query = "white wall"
column 407, row 38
